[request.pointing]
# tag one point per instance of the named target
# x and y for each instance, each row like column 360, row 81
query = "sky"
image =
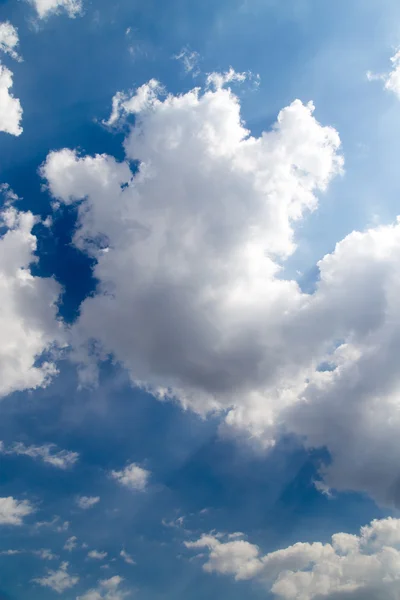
column 199, row 282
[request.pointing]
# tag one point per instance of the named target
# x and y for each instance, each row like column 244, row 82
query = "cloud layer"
column 349, row 568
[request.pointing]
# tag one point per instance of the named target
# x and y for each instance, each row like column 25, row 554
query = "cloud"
column 132, row 476
column 45, row 554
column 9, row 40
column 28, row 322
column 10, row 107
column 189, row 59
column 63, row 459
column 86, row 502
column 350, row 567
column 96, row 555
column 392, row 78
column 12, row 511
column 108, row 589
column 53, row 524
column 71, row 543
column 191, row 299
column 59, row 580
column 45, row 8
column 219, row 80
column 127, row 557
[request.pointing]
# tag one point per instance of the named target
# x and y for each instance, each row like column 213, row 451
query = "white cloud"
column 392, row 78
column 108, row 589
column 9, row 40
column 350, row 567
column 54, row 524
column 45, row 554
column 71, row 543
column 45, row 8
column 62, row 459
column 189, row 59
column 12, row 511
column 132, row 476
column 219, row 80
column 86, row 502
column 59, row 580
column 127, row 557
column 10, row 107
column 191, row 299
column 28, row 322
column 96, row 555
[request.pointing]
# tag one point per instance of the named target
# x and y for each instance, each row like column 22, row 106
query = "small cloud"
column 86, row 502
column 96, row 555
column 45, row 8
column 220, row 80
column 127, row 557
column 61, row 459
column 12, row 511
column 9, row 40
column 133, row 477
column 189, row 59
column 45, row 554
column 71, row 543
column 59, row 581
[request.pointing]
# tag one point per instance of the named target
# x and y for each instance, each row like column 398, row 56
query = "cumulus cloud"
column 350, row 567
column 133, row 477
column 59, row 580
column 61, row 459
column 10, row 107
column 45, row 8
column 108, row 589
column 12, row 511
column 97, row 555
column 191, row 298
column 28, row 321
column 86, row 502
column 71, row 543
column 9, row 40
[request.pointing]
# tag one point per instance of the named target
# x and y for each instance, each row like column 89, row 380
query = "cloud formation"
column 9, row 40
column 45, row 8
column 86, row 502
column 12, row 511
column 108, row 589
column 48, row 453
column 30, row 329
column 59, row 580
column 351, row 567
column 191, row 298
column 132, row 476
column 10, row 107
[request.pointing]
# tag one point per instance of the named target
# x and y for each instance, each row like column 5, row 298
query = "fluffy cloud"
column 132, row 476
column 97, row 555
column 108, row 589
column 12, row 511
column 45, row 8
column 10, row 107
column 191, row 298
column 59, row 580
column 71, row 543
column 86, row 502
column 62, row 459
column 350, row 567
column 9, row 40
column 28, row 322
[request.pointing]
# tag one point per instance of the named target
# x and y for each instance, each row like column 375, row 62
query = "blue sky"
column 211, row 373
